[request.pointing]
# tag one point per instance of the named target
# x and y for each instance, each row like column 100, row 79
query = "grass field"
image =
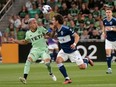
column 38, row 77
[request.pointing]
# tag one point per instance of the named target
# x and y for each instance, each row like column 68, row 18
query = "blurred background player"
column 68, row 40
column 109, row 28
column 52, row 45
column 39, row 48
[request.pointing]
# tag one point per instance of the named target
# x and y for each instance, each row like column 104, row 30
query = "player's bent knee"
column 59, row 60
column 108, row 52
column 47, row 60
column 30, row 59
column 82, row 66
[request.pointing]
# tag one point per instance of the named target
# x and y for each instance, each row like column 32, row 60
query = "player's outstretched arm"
column 22, row 42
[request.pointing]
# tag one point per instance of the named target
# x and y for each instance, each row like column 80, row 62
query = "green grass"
column 38, row 77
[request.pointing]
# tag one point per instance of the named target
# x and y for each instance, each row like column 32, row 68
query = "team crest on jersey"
column 71, row 30
column 105, row 23
column 62, row 33
column 111, row 23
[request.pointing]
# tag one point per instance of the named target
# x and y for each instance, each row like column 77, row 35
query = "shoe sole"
column 68, row 82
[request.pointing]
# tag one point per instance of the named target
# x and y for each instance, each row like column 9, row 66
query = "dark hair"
column 108, row 9
column 51, row 23
column 59, row 18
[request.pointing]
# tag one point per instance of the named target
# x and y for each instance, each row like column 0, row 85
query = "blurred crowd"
column 83, row 16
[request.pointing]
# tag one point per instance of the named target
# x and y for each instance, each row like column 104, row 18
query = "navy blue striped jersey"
column 111, row 35
column 66, row 38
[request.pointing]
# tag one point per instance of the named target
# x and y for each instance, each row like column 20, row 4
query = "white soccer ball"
column 46, row 9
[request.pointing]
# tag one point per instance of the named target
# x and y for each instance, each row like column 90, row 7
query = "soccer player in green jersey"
column 36, row 35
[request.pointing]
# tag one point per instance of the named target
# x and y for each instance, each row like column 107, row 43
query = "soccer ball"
column 46, row 9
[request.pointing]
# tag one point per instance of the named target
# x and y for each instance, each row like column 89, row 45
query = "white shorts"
column 53, row 46
column 110, row 44
column 74, row 57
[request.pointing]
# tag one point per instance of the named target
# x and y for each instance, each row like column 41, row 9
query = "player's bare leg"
column 47, row 63
column 26, row 70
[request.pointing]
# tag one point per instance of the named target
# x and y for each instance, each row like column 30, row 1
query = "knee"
column 47, row 60
column 82, row 66
column 59, row 60
column 108, row 53
column 29, row 59
column 28, row 62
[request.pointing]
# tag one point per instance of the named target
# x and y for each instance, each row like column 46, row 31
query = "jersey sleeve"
column 114, row 22
column 44, row 30
column 70, row 31
column 49, row 30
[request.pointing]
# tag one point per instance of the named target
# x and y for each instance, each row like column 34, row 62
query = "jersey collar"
column 60, row 29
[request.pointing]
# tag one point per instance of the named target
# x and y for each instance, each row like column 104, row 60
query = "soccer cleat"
column 109, row 71
column 53, row 77
column 23, row 80
column 90, row 61
column 42, row 62
column 67, row 81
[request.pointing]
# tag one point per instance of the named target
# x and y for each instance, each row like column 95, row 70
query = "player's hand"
column 108, row 28
column 73, row 46
column 12, row 40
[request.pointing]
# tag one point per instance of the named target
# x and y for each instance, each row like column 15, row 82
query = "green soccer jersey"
column 37, row 38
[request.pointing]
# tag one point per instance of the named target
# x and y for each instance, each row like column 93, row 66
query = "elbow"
column 78, row 36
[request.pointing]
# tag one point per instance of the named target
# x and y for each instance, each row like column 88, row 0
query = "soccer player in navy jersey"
column 109, row 29
column 68, row 40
